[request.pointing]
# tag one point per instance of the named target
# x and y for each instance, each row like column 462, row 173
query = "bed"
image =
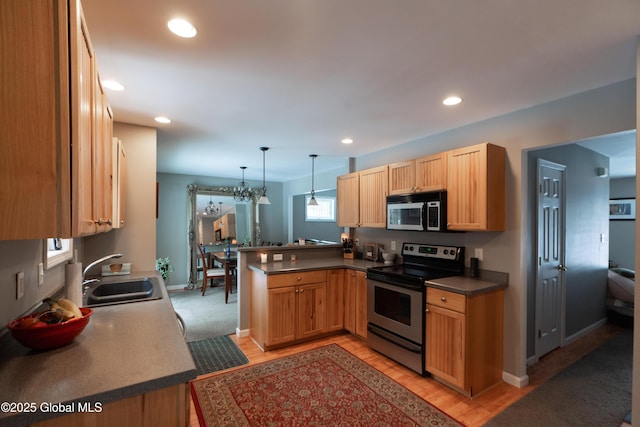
column 620, row 291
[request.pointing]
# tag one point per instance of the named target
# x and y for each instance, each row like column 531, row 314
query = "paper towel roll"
column 73, row 272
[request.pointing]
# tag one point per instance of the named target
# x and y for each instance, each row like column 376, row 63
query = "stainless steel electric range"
column 396, row 300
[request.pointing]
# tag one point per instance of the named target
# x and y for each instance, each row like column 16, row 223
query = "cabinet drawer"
column 445, row 299
column 292, row 279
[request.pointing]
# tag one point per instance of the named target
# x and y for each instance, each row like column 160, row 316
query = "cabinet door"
column 101, row 165
column 119, row 182
column 350, row 301
column 361, row 304
column 281, row 315
column 431, row 172
column 402, row 177
column 35, row 165
column 476, row 188
column 348, row 194
column 373, row 197
column 311, row 310
column 445, row 344
column 335, row 299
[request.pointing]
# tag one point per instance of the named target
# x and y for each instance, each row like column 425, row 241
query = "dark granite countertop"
column 125, row 350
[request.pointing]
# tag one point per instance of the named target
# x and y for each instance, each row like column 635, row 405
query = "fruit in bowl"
column 388, row 257
column 52, row 328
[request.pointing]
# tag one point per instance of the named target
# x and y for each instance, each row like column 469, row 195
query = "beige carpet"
column 206, row 316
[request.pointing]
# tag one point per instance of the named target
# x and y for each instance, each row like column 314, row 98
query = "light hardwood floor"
column 470, row 412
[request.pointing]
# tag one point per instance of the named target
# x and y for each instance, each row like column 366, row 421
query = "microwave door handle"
column 425, row 216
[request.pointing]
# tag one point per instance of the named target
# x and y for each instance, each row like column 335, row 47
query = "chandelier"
column 212, row 209
column 264, row 200
column 243, row 192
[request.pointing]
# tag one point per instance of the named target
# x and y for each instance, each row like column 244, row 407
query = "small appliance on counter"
column 119, row 269
column 373, row 251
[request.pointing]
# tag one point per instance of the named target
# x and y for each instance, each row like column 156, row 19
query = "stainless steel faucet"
column 93, row 264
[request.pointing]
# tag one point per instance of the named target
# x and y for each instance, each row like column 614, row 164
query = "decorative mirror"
column 243, row 210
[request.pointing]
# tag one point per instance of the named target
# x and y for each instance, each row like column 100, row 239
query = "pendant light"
column 312, row 200
column 242, row 193
column 264, row 200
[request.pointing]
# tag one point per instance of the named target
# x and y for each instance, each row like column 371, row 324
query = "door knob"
column 562, row 268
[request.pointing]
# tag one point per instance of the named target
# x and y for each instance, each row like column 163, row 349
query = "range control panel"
column 430, row 251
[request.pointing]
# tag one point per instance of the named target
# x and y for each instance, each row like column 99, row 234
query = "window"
column 325, row 211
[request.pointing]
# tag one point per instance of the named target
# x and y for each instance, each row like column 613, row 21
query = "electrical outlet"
column 277, row 257
column 19, row 285
column 356, row 242
column 479, row 253
column 40, row 274
column 393, row 245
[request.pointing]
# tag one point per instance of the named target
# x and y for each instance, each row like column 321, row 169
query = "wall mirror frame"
column 193, row 191
column 56, row 251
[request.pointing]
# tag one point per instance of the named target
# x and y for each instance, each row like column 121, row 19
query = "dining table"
column 229, row 263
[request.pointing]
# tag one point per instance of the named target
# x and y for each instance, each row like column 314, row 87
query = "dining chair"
column 208, row 272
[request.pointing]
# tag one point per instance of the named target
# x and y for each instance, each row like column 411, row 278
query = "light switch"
column 20, row 285
column 40, row 274
column 479, row 253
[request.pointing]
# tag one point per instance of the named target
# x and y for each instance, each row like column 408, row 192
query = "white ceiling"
column 299, row 75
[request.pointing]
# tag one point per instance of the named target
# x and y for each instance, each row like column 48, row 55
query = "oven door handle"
column 407, row 345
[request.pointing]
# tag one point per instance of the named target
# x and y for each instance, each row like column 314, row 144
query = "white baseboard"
column 242, row 332
column 519, row 382
column 175, row 287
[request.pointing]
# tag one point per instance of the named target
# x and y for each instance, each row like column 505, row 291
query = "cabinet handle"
column 99, row 221
column 427, row 310
column 299, row 278
column 109, row 221
column 301, row 290
column 443, row 299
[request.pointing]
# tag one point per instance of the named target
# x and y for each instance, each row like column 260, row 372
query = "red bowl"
column 50, row 336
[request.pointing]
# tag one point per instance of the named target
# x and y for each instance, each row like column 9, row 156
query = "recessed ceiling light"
column 182, row 28
column 112, row 84
column 161, row 119
column 347, row 141
column 452, row 100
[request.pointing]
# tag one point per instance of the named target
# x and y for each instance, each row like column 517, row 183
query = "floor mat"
column 216, row 354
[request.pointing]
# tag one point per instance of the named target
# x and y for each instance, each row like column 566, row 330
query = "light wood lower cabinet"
column 287, row 307
column 355, row 303
column 463, row 339
column 335, row 299
column 164, row 407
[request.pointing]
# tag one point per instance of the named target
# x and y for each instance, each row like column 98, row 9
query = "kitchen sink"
column 142, row 289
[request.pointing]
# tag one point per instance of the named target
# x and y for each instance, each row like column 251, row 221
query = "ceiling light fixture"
column 264, row 200
column 112, row 85
column 182, row 28
column 452, row 100
column 243, row 192
column 347, row 141
column 212, row 209
column 312, row 200
column 161, row 119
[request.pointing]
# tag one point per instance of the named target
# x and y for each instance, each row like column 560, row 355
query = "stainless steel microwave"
column 418, row 211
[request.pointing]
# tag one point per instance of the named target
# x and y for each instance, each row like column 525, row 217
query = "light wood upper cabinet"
column 373, row 197
column 348, row 194
column 119, row 183
column 48, row 105
column 362, row 198
column 402, row 177
column 476, row 188
column 428, row 173
column 431, row 172
column 102, row 168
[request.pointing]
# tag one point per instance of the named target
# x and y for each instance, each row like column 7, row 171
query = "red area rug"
column 326, row 386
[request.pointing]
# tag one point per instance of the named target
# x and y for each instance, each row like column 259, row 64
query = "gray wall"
column 587, row 217
column 171, row 225
column 313, row 229
column 622, row 248
column 602, row 111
